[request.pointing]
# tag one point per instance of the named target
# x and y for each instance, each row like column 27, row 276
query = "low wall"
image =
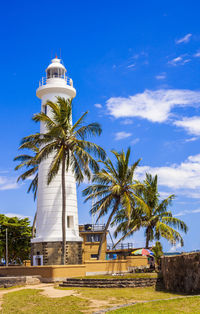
column 105, row 267
column 20, row 280
column 136, row 261
column 110, row 283
column 52, row 273
column 47, row 273
column 181, row 273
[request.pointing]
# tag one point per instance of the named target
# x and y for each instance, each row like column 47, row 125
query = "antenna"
column 94, row 214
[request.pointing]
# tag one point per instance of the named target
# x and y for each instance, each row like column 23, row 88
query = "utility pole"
column 6, row 246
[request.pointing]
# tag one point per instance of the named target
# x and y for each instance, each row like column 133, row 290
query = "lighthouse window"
column 70, row 222
column 55, row 72
column 45, row 109
column 48, row 74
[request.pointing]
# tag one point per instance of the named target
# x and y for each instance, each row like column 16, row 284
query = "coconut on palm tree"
column 68, row 148
column 114, row 188
column 155, row 217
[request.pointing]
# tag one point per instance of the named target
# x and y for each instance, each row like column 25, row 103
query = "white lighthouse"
column 46, row 246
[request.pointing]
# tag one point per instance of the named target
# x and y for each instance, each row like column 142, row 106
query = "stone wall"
column 51, row 252
column 110, row 283
column 19, row 280
column 181, row 273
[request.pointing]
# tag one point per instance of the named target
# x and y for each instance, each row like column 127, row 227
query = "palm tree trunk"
column 34, row 223
column 147, row 239
column 106, row 228
column 63, row 257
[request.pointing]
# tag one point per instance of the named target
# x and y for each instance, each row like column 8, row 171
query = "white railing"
column 44, row 80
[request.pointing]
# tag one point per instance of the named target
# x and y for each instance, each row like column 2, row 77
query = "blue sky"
column 135, row 66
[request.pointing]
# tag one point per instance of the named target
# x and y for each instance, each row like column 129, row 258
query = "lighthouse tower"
column 47, row 245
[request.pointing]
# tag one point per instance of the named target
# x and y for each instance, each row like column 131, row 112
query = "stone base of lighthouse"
column 49, row 253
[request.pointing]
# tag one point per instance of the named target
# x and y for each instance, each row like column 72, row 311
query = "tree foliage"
column 113, row 188
column 154, row 217
column 29, row 163
column 158, row 253
column 19, row 235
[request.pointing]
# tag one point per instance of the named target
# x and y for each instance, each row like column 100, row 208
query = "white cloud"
column 8, row 183
column 191, row 125
column 161, row 76
column 154, row 106
column 186, row 211
column 122, row 135
column 197, row 54
column 135, row 141
column 179, row 60
column 98, row 105
column 131, row 66
column 17, row 215
column 127, row 121
column 176, row 60
column 175, row 248
column 182, row 179
column 184, row 39
column 191, row 139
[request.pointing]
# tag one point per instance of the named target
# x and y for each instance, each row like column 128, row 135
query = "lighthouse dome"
column 55, row 69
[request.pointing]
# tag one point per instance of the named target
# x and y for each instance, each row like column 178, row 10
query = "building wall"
column 89, row 248
column 105, row 267
column 136, row 261
column 51, row 252
column 181, row 273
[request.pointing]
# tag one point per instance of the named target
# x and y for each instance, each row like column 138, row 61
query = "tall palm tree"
column 155, row 218
column 29, row 163
column 113, row 187
column 68, row 148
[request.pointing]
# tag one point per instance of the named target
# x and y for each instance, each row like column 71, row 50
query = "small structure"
column 91, row 235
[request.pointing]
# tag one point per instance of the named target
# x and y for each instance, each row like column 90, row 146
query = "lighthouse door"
column 37, row 260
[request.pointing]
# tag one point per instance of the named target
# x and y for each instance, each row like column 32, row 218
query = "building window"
column 94, row 256
column 93, row 238
column 70, row 222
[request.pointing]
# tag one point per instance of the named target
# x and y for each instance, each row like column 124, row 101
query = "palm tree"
column 113, row 187
column 68, row 148
column 29, row 163
column 155, row 217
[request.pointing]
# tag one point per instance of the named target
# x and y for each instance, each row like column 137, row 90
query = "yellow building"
column 91, row 235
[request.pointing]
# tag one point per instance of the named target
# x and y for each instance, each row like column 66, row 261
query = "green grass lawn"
column 31, row 301
column 90, row 300
column 123, row 295
column 183, row 305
